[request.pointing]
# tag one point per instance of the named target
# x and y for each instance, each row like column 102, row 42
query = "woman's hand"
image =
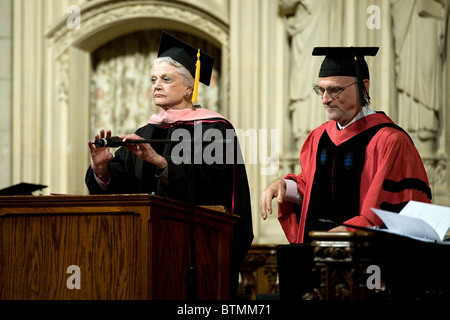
column 144, row 151
column 101, row 156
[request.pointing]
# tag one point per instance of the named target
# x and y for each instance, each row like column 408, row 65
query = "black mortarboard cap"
column 21, row 189
column 186, row 54
column 346, row 61
column 340, row 61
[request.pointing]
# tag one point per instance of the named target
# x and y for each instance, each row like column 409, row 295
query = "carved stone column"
column 6, row 73
column 258, row 99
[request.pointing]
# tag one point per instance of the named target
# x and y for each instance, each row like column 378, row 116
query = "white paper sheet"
column 419, row 220
column 407, row 226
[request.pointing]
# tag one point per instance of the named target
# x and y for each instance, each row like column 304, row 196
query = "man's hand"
column 276, row 189
column 338, row 229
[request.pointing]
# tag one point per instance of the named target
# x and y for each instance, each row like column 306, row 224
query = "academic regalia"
column 215, row 184
column 21, row 189
column 347, row 61
column 223, row 182
column 392, row 173
column 372, row 163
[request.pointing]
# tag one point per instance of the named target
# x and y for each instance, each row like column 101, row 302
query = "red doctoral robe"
column 391, row 174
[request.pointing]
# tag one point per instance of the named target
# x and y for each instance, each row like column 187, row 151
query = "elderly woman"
column 164, row 169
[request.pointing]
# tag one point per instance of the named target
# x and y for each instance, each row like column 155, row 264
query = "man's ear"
column 366, row 84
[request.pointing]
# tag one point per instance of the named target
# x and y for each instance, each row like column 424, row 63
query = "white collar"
column 365, row 111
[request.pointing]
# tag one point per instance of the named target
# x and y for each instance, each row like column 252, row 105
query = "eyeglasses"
column 334, row 92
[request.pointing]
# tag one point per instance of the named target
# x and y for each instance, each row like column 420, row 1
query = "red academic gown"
column 392, row 173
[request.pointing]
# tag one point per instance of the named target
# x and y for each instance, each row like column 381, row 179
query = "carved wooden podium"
column 366, row 265
column 408, row 269
column 116, row 246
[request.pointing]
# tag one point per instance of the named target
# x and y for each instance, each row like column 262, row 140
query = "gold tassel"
column 197, row 77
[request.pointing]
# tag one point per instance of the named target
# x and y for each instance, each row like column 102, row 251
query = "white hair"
column 187, row 77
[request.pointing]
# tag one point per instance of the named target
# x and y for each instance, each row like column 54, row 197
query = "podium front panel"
column 111, row 247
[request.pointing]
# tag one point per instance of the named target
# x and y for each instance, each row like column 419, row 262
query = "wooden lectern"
column 112, row 247
column 364, row 265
